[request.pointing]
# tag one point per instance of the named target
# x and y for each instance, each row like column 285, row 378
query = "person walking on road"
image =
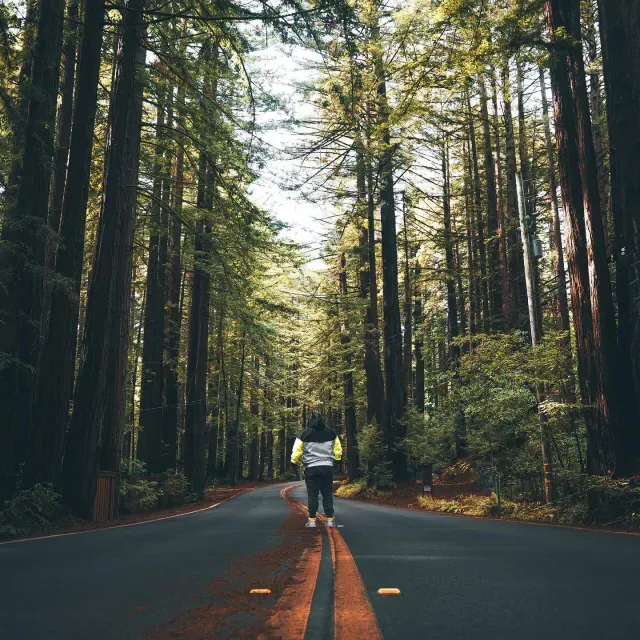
column 318, row 448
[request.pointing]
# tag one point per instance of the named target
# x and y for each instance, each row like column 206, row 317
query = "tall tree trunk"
column 452, row 304
column 376, row 411
column 418, row 324
column 394, row 371
column 115, row 399
column 596, row 106
column 477, row 192
column 152, row 390
column 213, row 398
column 621, row 58
column 22, row 250
column 514, row 253
column 589, row 278
column 195, row 427
column 106, row 306
column 58, row 359
column 562, row 301
column 255, row 412
column 495, row 289
column 353, row 461
column 172, row 303
column 65, row 118
column 408, row 304
column 505, row 283
column 470, row 232
column 536, row 335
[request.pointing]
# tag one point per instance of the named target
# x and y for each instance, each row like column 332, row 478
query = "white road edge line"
column 131, row 524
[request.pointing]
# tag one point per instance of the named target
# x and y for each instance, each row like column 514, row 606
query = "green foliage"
column 31, row 511
column 138, row 495
column 374, row 464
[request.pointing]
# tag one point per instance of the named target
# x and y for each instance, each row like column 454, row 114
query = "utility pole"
column 536, row 332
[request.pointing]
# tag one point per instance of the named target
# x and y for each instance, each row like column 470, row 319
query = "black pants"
column 320, row 480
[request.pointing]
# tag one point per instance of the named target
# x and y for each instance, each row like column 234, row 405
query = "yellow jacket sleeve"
column 337, row 449
column 297, row 451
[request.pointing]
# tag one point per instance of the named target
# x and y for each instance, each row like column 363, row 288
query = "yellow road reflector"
column 260, row 592
column 389, row 592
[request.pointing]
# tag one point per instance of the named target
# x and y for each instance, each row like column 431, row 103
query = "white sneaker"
column 311, row 523
column 331, row 522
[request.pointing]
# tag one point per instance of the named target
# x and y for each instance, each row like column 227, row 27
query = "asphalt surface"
column 459, row 578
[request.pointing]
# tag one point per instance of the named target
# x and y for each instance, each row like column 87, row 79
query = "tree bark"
column 562, row 300
column 58, row 358
column 22, row 252
column 353, row 461
column 195, row 427
column 452, row 305
column 419, row 342
column 213, row 398
column 477, row 192
column 505, row 284
column 495, row 288
column 589, row 277
column 172, row 303
column 255, row 412
column 514, row 253
column 106, row 306
column 394, row 371
column 152, row 389
column 408, row 305
column 63, row 127
column 619, row 23
column 376, row 405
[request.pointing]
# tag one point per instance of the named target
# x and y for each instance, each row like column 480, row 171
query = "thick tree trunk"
column 562, row 300
column 353, row 461
column 22, row 251
column 592, row 307
column 471, row 252
column 63, row 127
column 596, row 107
column 505, row 284
column 495, row 288
column 514, row 252
column 452, row 304
column 58, row 359
column 254, row 407
column 619, row 24
column 105, row 305
column 115, row 399
column 172, row 304
column 195, row 427
column 477, row 193
column 152, row 390
column 213, row 398
column 419, row 342
column 394, row 371
column 408, row 310
column 376, row 405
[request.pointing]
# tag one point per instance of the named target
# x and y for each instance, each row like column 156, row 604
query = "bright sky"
column 284, row 68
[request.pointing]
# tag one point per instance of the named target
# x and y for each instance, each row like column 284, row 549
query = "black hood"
column 316, row 422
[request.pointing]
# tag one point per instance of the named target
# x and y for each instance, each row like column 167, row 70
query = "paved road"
column 459, row 578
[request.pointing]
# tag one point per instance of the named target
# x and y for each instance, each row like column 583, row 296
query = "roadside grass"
column 608, row 505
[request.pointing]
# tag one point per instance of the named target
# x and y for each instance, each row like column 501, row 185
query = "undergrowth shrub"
column 173, row 489
column 138, row 495
column 31, row 511
column 374, row 465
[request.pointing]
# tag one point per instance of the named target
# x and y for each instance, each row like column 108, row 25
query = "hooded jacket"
column 317, row 445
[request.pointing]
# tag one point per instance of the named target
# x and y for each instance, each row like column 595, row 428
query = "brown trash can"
column 104, row 504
